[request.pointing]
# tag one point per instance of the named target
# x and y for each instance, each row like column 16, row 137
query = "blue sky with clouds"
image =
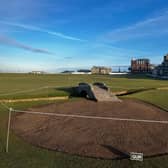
column 52, row 34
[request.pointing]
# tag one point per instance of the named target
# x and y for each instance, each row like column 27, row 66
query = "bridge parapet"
column 96, row 93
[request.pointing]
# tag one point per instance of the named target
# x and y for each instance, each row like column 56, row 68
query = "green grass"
column 10, row 84
column 22, row 154
column 156, row 97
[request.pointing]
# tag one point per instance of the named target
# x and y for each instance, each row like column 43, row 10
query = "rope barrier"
column 93, row 117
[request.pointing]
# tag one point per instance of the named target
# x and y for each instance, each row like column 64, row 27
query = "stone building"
column 162, row 69
column 140, row 66
column 101, row 70
column 37, row 72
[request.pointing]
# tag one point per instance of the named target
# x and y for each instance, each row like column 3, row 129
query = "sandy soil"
column 96, row 138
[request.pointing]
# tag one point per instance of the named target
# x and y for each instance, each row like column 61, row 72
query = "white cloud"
column 155, row 26
column 34, row 28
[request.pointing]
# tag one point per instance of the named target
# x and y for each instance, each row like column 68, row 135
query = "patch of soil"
column 92, row 137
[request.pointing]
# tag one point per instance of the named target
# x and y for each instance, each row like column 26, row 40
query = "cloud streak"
column 12, row 42
column 153, row 27
column 38, row 29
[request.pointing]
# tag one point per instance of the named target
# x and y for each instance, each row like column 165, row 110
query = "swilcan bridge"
column 96, row 92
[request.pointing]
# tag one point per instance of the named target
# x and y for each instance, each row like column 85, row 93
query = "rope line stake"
column 8, row 130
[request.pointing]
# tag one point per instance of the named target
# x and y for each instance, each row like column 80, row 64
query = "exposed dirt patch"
column 96, row 138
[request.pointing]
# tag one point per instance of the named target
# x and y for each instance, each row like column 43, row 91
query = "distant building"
column 67, row 72
column 84, row 70
column 37, row 72
column 162, row 69
column 101, row 70
column 140, row 66
column 81, row 71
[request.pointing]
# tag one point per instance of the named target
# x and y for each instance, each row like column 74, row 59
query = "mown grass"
column 14, row 86
column 156, row 97
column 22, row 154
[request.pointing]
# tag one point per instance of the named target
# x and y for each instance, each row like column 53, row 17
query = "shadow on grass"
column 132, row 76
column 138, row 76
column 119, row 154
column 133, row 91
column 71, row 91
column 142, row 76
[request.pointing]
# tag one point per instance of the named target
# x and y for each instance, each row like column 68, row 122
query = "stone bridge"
column 96, row 93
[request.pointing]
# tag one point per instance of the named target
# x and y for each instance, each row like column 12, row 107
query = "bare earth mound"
column 93, row 137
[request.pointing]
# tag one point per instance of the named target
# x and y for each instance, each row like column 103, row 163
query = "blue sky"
column 52, row 34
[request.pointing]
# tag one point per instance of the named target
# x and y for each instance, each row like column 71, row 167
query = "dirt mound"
column 92, row 137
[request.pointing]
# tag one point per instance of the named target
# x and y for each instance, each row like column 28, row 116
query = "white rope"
column 93, row 117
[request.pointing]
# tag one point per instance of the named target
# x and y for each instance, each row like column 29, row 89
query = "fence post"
column 8, row 131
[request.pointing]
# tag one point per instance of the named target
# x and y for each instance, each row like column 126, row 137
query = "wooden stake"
column 8, row 131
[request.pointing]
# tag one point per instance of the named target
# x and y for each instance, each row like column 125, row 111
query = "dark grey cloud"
column 12, row 42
